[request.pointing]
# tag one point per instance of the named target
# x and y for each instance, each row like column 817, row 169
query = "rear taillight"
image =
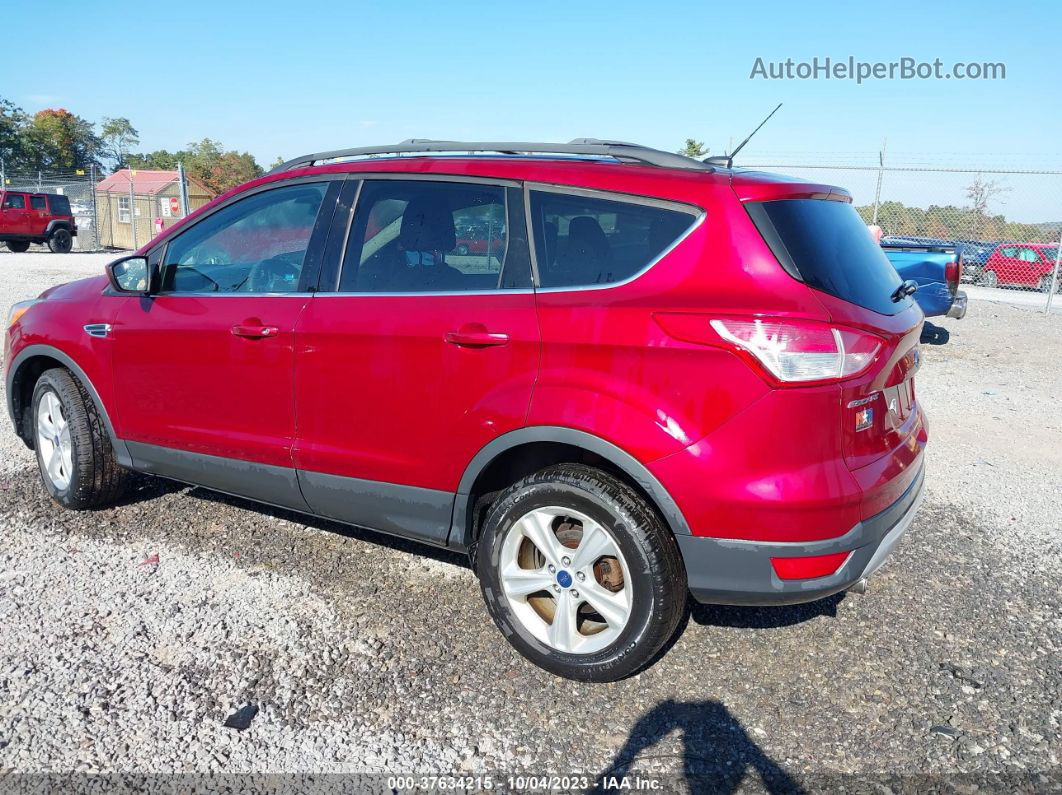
column 809, row 568
column 801, row 351
column 952, row 271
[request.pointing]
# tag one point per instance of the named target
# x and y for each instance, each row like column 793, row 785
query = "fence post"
column 132, row 209
column 95, row 207
column 1054, row 276
column 881, row 173
column 182, row 179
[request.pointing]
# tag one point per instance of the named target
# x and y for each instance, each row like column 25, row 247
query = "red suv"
column 36, row 218
column 675, row 378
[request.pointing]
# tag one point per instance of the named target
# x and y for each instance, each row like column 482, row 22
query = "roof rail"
column 620, row 150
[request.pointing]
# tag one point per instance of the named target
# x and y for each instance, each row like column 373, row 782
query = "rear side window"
column 826, row 245
column 585, row 241
column 60, row 205
column 36, row 202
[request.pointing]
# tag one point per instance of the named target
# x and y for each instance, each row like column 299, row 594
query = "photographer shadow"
column 717, row 752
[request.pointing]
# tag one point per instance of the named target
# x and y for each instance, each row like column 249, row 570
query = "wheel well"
column 22, row 385
column 526, row 459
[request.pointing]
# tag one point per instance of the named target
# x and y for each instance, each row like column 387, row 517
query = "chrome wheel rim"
column 53, row 441
column 566, row 580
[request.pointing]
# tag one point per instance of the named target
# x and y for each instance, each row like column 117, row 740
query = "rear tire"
column 617, row 589
column 18, row 246
column 61, row 241
column 74, row 452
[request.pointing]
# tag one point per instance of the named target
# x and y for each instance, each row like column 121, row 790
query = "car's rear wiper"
column 907, row 288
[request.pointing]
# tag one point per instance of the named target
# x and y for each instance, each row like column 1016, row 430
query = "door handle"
column 255, row 332
column 476, row 339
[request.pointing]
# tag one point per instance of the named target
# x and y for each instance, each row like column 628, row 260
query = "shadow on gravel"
column 717, row 752
column 316, row 522
column 933, row 334
column 764, row 617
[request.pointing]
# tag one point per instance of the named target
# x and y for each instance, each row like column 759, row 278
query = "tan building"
column 133, row 206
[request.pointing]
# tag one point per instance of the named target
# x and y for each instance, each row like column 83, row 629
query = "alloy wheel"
column 54, row 441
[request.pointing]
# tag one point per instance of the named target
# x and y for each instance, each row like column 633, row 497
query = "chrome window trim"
column 497, row 292
column 628, row 198
column 616, row 196
column 502, row 183
column 302, row 294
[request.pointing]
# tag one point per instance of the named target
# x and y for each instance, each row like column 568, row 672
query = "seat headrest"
column 427, row 225
column 585, row 232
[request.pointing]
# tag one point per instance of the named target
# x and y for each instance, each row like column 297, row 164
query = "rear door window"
column 826, row 245
column 583, row 241
column 36, row 202
column 419, row 236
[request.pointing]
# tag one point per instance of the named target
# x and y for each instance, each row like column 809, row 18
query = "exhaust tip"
column 858, row 587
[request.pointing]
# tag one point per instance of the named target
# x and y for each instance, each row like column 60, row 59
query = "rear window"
column 60, row 205
column 826, row 245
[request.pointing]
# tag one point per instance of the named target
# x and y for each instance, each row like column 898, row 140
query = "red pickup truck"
column 36, row 218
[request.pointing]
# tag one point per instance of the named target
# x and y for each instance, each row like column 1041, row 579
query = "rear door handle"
column 476, row 339
column 255, row 332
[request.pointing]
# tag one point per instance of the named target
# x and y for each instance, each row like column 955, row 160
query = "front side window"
column 125, row 210
column 420, row 236
column 254, row 245
column 587, row 241
column 14, row 201
column 37, row 202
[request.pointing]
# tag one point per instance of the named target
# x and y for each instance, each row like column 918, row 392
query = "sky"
column 287, row 78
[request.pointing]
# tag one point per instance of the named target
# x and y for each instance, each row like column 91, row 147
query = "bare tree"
column 982, row 192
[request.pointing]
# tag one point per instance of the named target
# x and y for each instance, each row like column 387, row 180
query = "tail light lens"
column 797, row 351
column 809, row 568
column 952, row 271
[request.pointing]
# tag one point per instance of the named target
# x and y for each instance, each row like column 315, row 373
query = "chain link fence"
column 1007, row 222
column 123, row 210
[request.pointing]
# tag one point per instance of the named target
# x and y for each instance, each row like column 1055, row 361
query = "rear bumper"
column 727, row 571
column 958, row 306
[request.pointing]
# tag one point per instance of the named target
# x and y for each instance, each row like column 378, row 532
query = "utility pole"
column 881, row 173
column 95, row 208
column 182, row 178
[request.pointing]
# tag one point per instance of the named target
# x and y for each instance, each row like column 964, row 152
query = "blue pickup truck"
column 936, row 268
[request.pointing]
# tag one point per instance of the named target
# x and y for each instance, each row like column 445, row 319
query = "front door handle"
column 255, row 332
column 476, row 339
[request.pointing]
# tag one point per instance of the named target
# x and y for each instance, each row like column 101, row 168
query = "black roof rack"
column 620, row 150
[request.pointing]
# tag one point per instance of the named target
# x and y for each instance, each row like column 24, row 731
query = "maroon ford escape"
column 661, row 377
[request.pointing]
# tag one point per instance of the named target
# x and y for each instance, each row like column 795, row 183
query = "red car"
column 43, row 218
column 1021, row 265
column 677, row 378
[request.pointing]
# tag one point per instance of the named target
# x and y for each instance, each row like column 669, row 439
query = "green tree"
column 693, row 148
column 118, row 136
column 13, row 121
column 59, row 140
column 206, row 161
column 276, row 163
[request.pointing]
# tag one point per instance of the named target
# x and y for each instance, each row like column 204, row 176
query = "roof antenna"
column 727, row 161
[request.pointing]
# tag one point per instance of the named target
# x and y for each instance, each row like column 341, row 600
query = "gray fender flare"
column 30, row 351
column 549, row 433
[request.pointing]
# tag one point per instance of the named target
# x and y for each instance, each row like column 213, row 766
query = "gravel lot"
column 129, row 636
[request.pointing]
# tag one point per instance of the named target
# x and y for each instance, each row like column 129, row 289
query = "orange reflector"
column 808, row 568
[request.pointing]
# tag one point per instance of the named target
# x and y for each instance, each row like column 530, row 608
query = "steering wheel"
column 267, row 275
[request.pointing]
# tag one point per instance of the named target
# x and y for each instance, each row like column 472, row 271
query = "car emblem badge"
column 564, row 579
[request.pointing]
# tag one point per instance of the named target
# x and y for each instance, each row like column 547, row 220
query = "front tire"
column 580, row 573
column 74, row 453
column 989, row 279
column 61, row 241
column 18, row 246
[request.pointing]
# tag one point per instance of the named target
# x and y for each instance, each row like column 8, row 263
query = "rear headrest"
column 586, row 233
column 427, row 225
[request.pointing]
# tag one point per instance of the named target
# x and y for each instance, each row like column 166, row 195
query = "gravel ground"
column 130, row 636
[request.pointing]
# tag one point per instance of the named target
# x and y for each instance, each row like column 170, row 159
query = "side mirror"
column 130, row 274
